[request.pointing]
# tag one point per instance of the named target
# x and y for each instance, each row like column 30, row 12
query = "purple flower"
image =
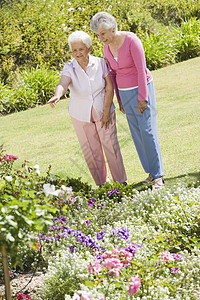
column 113, row 191
column 100, row 234
column 136, row 245
column 122, row 233
column 100, row 205
column 86, row 222
column 131, row 250
column 62, row 220
column 175, row 270
column 91, row 202
column 72, row 248
column 178, row 256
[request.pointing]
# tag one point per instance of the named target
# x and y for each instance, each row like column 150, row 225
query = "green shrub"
column 32, row 88
column 188, row 39
column 35, row 33
column 160, row 50
column 173, row 11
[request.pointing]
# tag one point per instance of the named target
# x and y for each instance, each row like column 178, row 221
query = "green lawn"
column 45, row 136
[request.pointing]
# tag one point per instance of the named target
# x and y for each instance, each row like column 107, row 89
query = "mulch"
column 21, row 281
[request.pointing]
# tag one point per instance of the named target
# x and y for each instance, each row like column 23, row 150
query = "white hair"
column 102, row 19
column 79, row 36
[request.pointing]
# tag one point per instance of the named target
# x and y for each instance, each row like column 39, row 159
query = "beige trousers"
column 92, row 138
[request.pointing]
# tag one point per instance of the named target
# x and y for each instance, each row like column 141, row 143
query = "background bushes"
column 33, row 35
column 31, row 88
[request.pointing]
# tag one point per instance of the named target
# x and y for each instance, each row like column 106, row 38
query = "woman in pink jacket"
column 91, row 109
column 133, row 84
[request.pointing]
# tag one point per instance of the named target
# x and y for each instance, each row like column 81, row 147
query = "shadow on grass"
column 189, row 180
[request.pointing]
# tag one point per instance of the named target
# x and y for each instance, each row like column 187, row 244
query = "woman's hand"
column 53, row 101
column 142, row 105
column 105, row 120
column 121, row 108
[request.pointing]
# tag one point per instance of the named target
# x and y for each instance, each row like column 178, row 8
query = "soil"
column 20, row 282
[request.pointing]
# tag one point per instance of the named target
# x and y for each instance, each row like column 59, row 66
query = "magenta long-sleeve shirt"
column 129, row 71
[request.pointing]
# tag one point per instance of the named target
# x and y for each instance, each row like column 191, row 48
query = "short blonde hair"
column 78, row 36
column 102, row 19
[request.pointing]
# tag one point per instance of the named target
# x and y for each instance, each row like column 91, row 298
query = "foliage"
column 23, row 211
column 32, row 87
column 161, row 233
column 37, row 31
column 160, row 50
column 188, row 39
column 35, row 39
column 104, row 243
column 172, row 11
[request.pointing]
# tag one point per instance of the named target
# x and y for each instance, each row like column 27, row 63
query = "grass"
column 45, row 136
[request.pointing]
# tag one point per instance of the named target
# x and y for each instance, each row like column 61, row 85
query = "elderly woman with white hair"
column 91, row 109
column 134, row 89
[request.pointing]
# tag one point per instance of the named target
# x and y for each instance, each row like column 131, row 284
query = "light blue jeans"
column 143, row 129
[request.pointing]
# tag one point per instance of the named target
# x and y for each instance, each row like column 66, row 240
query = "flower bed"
column 114, row 242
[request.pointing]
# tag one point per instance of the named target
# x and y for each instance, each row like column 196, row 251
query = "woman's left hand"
column 142, row 105
column 105, row 120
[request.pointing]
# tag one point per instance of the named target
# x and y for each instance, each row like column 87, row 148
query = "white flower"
column 36, row 167
column 70, row 9
column 70, row 20
column 8, row 178
column 66, row 189
column 69, row 3
column 26, row 168
column 49, row 189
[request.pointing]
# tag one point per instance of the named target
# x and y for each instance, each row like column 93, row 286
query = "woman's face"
column 106, row 35
column 80, row 51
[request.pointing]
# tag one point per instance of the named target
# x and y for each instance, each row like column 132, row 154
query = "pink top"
column 130, row 69
column 87, row 89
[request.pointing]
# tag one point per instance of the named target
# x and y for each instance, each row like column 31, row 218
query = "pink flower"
column 10, row 157
column 38, row 246
column 113, row 263
column 81, row 295
column 101, row 297
column 114, row 272
column 22, row 296
column 95, row 267
column 134, row 286
column 11, row 274
column 175, row 270
column 166, row 256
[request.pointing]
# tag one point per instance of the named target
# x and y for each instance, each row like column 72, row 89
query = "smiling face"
column 106, row 35
column 80, row 51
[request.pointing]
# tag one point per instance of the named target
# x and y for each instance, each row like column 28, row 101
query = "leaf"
column 9, row 237
column 89, row 283
column 9, row 219
column 4, row 210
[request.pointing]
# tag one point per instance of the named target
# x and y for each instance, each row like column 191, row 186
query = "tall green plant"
column 159, row 49
column 188, row 39
column 32, row 87
column 23, row 212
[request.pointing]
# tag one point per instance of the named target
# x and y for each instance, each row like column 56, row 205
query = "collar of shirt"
column 76, row 65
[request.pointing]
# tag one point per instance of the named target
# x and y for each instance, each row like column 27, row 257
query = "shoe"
column 158, row 183
column 124, row 183
column 148, row 179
